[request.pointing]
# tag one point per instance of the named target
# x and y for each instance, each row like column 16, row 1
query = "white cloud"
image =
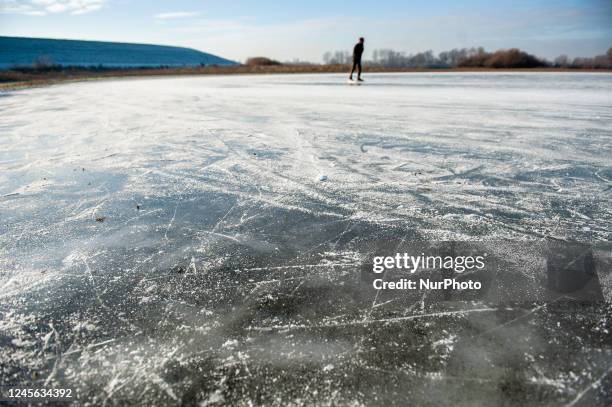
column 175, row 15
column 44, row 7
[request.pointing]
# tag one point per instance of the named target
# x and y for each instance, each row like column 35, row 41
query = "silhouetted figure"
column 357, row 53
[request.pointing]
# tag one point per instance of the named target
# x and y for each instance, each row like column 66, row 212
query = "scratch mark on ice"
column 374, row 321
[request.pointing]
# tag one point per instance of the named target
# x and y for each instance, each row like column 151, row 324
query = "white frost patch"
column 84, row 326
column 73, row 259
column 448, row 342
column 230, row 343
column 559, row 384
column 215, row 398
column 20, row 343
column 444, row 347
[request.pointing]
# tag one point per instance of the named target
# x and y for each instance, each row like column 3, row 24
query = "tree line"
column 469, row 58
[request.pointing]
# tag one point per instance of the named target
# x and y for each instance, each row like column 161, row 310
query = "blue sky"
column 305, row 29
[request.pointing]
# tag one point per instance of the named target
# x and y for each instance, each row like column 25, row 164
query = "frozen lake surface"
column 203, row 239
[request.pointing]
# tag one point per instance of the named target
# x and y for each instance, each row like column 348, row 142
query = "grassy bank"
column 17, row 79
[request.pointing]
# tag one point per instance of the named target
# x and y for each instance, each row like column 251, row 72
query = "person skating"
column 357, row 53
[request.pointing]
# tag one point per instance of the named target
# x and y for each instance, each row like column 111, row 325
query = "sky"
column 305, row 30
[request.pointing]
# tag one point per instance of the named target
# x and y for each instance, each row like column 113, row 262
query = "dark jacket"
column 357, row 52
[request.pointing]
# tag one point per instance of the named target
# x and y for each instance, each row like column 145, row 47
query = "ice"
column 225, row 271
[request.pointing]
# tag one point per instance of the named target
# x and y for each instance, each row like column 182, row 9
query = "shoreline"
column 15, row 80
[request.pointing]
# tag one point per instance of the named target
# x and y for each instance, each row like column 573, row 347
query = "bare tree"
column 562, row 61
column 327, row 58
column 469, row 57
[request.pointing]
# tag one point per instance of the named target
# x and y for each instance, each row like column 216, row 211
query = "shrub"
column 511, row 58
column 597, row 62
column 261, row 61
